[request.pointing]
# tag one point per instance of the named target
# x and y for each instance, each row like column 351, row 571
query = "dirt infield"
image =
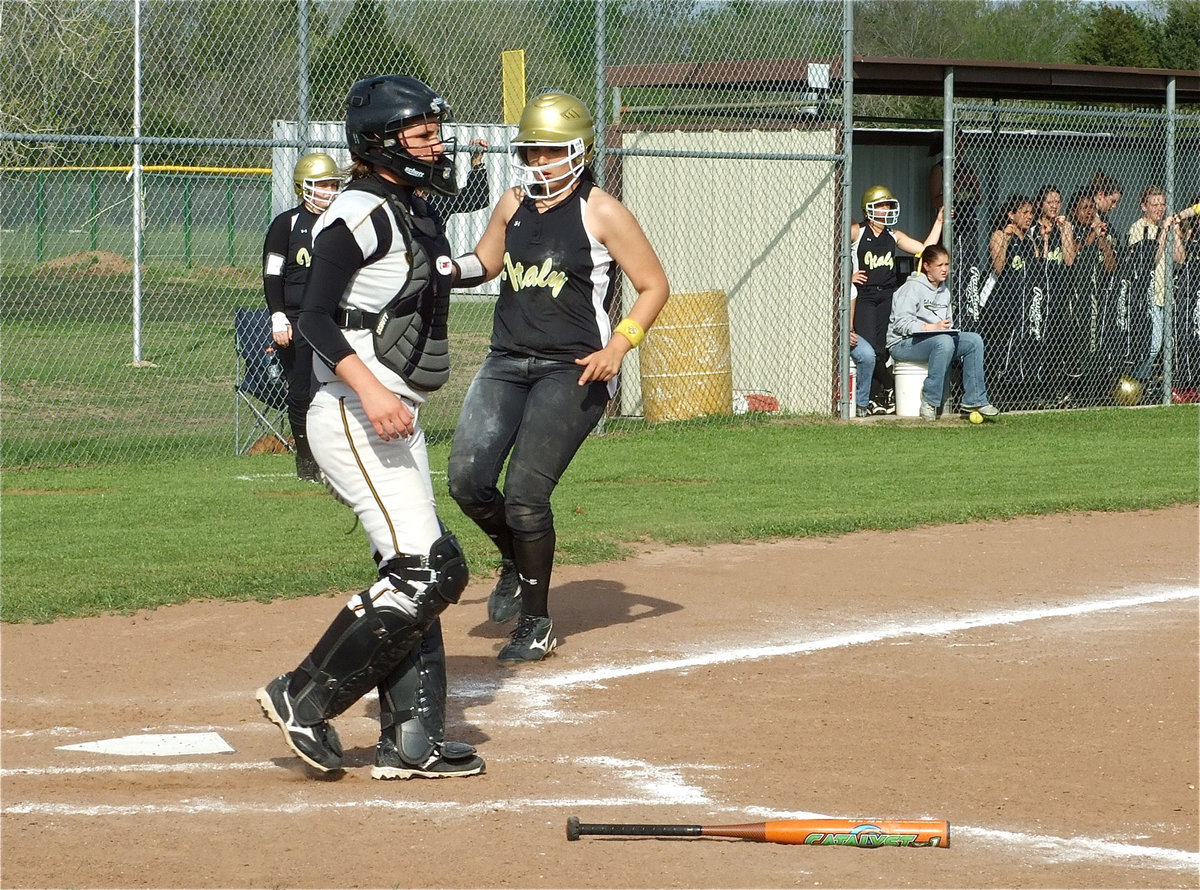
column 1032, row 681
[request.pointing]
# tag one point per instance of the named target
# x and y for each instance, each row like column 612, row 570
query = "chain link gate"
column 118, row 338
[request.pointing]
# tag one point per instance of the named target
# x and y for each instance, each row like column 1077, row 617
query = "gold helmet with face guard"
column 556, row 120
column 312, row 169
column 875, row 209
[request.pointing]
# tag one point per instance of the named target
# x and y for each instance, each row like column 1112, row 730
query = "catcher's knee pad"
column 366, row 642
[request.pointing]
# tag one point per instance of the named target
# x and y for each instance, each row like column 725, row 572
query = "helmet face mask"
column 308, row 175
column 553, row 120
column 379, row 110
column 880, row 206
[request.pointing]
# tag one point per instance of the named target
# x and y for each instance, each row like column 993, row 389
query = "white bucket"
column 910, row 377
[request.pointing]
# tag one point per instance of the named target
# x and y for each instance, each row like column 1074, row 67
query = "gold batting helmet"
column 873, row 201
column 311, row 169
column 557, row 120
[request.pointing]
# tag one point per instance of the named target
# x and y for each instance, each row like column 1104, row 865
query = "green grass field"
column 85, row 541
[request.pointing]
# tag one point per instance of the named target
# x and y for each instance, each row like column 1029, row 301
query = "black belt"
column 356, row 320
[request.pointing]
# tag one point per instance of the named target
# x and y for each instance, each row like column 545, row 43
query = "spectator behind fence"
column 874, row 246
column 1186, row 377
column 1147, row 277
column 1106, row 191
column 1056, row 236
column 1091, row 314
column 921, row 329
column 971, row 261
column 1011, row 319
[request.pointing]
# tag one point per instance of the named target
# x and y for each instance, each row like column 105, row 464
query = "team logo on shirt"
column 872, row 261
column 303, row 257
column 521, row 277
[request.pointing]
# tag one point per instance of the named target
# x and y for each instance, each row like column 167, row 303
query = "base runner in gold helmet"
column 875, row 246
column 555, row 241
column 287, row 252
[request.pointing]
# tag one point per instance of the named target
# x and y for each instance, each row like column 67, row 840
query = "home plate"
column 157, row 745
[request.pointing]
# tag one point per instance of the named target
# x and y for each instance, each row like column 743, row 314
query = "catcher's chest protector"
column 410, row 335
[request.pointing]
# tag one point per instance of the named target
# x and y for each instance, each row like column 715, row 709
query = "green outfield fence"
column 139, row 170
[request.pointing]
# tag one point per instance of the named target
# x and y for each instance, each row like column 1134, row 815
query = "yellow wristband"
column 631, row 331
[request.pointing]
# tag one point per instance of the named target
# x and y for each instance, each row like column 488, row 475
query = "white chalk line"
column 927, row 629
column 1048, row 847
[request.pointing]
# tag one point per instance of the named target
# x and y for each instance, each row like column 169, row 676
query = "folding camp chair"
column 262, row 389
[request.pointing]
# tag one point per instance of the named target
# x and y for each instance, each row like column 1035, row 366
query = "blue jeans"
column 937, row 351
column 863, row 354
column 535, row 409
column 1146, row 366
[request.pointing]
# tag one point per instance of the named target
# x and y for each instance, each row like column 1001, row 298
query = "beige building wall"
column 764, row 232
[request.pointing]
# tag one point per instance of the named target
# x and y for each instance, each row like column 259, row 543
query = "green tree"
column 1115, row 35
column 363, row 44
column 1179, row 36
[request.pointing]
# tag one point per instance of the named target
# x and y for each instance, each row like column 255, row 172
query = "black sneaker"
column 318, row 746
column 504, row 602
column 532, row 640
column 447, row 761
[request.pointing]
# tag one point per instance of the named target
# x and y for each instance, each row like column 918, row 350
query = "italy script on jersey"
column 556, row 285
column 875, row 255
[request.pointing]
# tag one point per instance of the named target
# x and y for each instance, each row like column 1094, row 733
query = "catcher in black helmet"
column 375, row 313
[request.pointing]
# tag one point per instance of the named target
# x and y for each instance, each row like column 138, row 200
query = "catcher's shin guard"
column 412, row 700
column 361, row 648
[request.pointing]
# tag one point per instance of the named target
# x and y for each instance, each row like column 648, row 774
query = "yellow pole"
column 512, row 72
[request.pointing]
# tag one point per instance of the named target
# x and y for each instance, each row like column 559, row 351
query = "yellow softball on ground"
column 975, row 417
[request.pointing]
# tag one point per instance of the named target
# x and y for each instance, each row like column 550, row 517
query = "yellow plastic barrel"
column 684, row 360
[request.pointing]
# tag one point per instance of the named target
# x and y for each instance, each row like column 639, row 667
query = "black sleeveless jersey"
column 875, row 255
column 556, row 285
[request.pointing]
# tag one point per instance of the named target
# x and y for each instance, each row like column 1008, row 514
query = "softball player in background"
column 556, row 242
column 874, row 246
column 381, row 264
column 287, row 253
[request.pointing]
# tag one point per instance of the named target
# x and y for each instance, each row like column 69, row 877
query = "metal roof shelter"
column 877, row 75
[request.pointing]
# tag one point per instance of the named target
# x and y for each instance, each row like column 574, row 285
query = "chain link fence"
column 146, row 144
column 1064, row 265
column 186, row 117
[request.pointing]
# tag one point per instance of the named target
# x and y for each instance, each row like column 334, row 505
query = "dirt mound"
column 91, row 263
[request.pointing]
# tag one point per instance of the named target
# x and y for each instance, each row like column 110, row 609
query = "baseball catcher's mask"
column 378, row 109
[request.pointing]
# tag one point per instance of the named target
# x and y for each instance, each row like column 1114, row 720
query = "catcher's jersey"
column 556, row 285
column 381, row 271
column 876, row 255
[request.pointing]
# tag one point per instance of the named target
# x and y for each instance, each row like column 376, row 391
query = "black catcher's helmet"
column 378, row 108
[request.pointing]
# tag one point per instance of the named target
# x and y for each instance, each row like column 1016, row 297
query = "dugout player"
column 287, row 254
column 556, row 242
column 381, row 263
column 874, row 246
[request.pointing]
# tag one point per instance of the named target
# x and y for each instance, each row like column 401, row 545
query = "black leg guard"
column 412, row 702
column 359, row 650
